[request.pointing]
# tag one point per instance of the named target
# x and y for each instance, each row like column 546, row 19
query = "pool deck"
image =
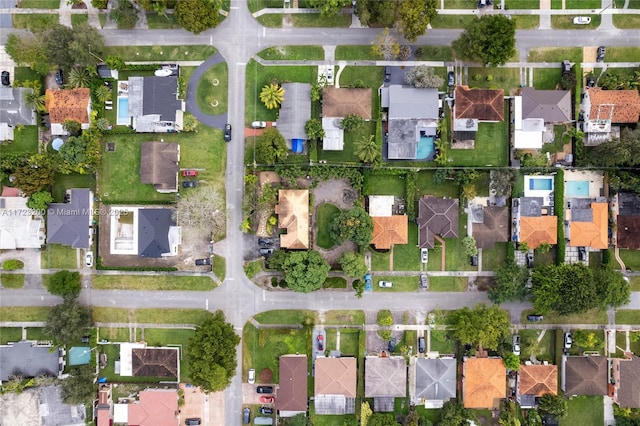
column 595, row 179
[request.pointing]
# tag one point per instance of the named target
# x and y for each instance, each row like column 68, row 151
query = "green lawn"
column 335, row 282
column 330, row 420
column 255, row 5
column 12, row 281
column 344, row 317
column 556, row 4
column 271, row 20
column 212, row 90
column 116, row 334
column 39, row 4
column 385, row 184
column 356, row 52
column 293, row 53
column 522, row 4
column 628, row 316
column 10, row 334
column 158, row 22
column 37, row 333
column 527, row 22
column 448, row 283
column 634, row 283
column 555, row 54
column 164, row 337
column 380, row 260
column 546, row 78
column 495, row 78
column 584, row 411
column 452, row 21
column 426, row 185
column 434, row 53
column 23, row 313
column 35, row 21
column 460, row 4
column 26, row 140
column 159, row 282
column 72, row 180
column 631, row 259
column 494, row 258
column 284, row 316
column 57, row 256
column 399, row 283
column 406, row 257
column 79, row 19
column 325, row 213
column 347, row 155
column 626, row 21
column 219, row 267
column 582, row 4
column 160, row 316
column 161, row 53
column 623, row 54
column 442, row 342
column 565, row 22
column 253, row 268
column 590, row 317
column 342, row 20
column 491, row 146
column 544, row 350
column 349, row 341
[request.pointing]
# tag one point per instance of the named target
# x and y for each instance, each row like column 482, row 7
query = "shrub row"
column 558, row 198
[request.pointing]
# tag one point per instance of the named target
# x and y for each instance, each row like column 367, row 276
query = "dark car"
column 473, row 260
column 203, row 262
column 59, row 77
column 424, row 281
column 265, row 410
column 591, row 81
column 601, row 52
column 189, row 173
column 582, row 254
column 534, row 318
column 566, row 66
column 387, row 74
column 194, row 421
column 451, row 79
column 421, row 347
column 529, row 260
column 189, row 183
column 246, row 415
column 265, row 242
column 227, row 132
column 5, row 78
column 320, row 340
column 392, row 344
column 264, row 389
column 266, row 251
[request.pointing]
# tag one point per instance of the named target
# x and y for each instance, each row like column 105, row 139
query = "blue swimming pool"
column 425, row 147
column 123, row 111
column 79, row 355
column 576, row 188
column 540, row 184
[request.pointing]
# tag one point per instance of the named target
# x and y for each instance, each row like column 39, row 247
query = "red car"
column 189, row 173
column 266, row 400
column 320, row 342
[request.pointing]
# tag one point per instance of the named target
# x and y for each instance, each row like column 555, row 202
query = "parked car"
column 421, row 346
column 387, row 74
column 59, row 77
column 5, row 78
column 266, row 399
column 203, row 262
column 227, row 132
column 473, row 260
column 367, row 282
column 265, row 410
column 424, row 255
column 320, row 341
column 392, row 344
column 582, row 254
column 189, row 173
column 529, row 260
column 568, row 340
column 601, row 52
column 424, row 281
column 566, row 66
column 591, row 81
column 194, row 421
column 451, row 79
column 246, row 415
column 516, row 344
column 266, row 251
column 385, row 284
column 88, row 259
column 259, row 124
column 265, row 242
column 330, row 75
column 581, row 20
column 251, row 377
column 482, row 3
column 189, row 183
column 264, row 389
column 535, row 318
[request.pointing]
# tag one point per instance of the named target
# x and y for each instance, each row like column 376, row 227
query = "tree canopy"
column 212, row 353
column 553, row 404
column 201, row 211
column 414, row 16
column 65, row 284
column 354, row 224
column 353, row 264
column 271, row 147
column 454, row 414
column 305, row 271
column 329, row 8
column 386, row 45
column 197, row 16
column 423, row 76
column 125, row 14
column 78, row 388
column 40, row 200
column 68, row 322
column 482, row 325
column 489, row 40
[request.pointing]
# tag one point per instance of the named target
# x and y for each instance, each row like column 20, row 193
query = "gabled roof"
column 592, row 233
column 554, row 106
column 295, row 110
column 154, row 362
column 436, row 379
column 68, row 104
column 629, row 390
column 26, row 359
column 437, row 216
column 626, row 104
column 628, row 233
column 538, row 230
column 155, row 407
column 385, row 377
column 292, row 393
column 159, row 165
column 585, row 375
column 153, row 232
column 407, row 102
column 538, row 380
column 485, row 382
column 340, row 102
column 293, row 215
column 494, row 228
column 480, row 104
column 13, row 109
column 335, row 376
column 68, row 223
column 390, row 230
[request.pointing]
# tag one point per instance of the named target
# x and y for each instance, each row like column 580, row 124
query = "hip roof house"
column 335, row 385
column 437, row 216
column 484, row 382
column 336, row 104
column 433, row 381
column 159, row 165
column 68, row 104
column 293, row 215
column 69, row 223
column 292, row 393
column 585, row 375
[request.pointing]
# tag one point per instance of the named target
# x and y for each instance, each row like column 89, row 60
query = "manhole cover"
column 111, row 147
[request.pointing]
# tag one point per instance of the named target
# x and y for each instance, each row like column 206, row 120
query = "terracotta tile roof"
column 585, row 375
column 336, row 376
column 155, row 408
column 390, row 230
column 64, row 104
column 292, row 393
column 293, row 215
column 341, row 102
column 629, row 232
column 626, row 104
column 485, row 382
column 592, row 234
column 535, row 230
column 481, row 104
column 629, row 391
column 495, row 227
column 538, row 379
column 437, row 216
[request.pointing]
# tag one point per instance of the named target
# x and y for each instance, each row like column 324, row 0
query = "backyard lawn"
column 347, row 155
column 26, row 140
column 555, row 54
column 330, row 420
column 72, row 180
column 113, row 334
column 491, row 146
column 57, row 256
column 293, row 53
column 448, row 283
column 584, row 411
column 212, row 90
column 159, row 282
column 426, row 185
column 385, row 184
column 158, row 316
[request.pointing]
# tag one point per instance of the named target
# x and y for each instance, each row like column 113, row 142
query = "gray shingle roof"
column 436, row 379
column 554, row 106
column 27, row 360
column 385, row 377
column 585, row 375
column 153, row 232
column 68, row 223
column 160, row 96
column 437, row 216
column 295, row 110
column 13, row 109
column 411, row 102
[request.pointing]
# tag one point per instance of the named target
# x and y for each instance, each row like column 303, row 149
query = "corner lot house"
column 154, row 407
column 295, row 111
column 385, row 378
column 138, row 360
column 69, row 223
column 293, row 215
column 14, row 111
column 68, row 104
column 585, row 375
column 535, row 112
column 628, row 209
column 20, row 228
column 336, row 104
column 626, row 379
column 292, row 392
column 535, row 381
column 159, row 165
column 432, row 381
column 29, row 359
column 335, row 385
column 484, row 382
column 388, row 229
column 473, row 106
column 153, row 103
column 603, row 108
column 437, row 216
column 143, row 231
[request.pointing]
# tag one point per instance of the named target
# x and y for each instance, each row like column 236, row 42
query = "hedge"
column 12, row 265
column 558, row 198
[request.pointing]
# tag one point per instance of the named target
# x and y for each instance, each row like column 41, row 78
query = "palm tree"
column 367, row 149
column 102, row 124
column 272, row 95
column 35, row 100
column 102, row 93
column 79, row 77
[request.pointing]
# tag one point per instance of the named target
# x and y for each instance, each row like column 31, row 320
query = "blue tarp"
column 297, row 146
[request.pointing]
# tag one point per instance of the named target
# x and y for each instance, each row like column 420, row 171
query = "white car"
column 330, row 75
column 385, row 284
column 581, row 20
column 568, row 340
column 516, row 345
column 88, row 259
column 424, row 255
column 259, row 124
column 251, row 378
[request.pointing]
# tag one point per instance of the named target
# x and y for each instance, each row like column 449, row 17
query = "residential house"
column 628, row 220
column 385, row 378
column 388, row 229
column 294, row 113
column 105, row 72
column 626, row 381
column 473, row 106
column 489, row 224
column 484, row 382
column 20, row 227
column 603, row 108
column 69, row 223
column 14, row 111
column 154, row 407
column 533, row 220
column 28, row 358
column 535, row 112
column 104, row 406
column 159, row 165
column 337, row 103
column 292, row 392
column 138, row 360
column 412, row 122
column 68, row 104
column 432, row 381
column 588, row 223
column 585, row 375
column 535, row 381
column 145, row 232
column 436, row 216
column 293, row 215
column 335, row 385
column 154, row 106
